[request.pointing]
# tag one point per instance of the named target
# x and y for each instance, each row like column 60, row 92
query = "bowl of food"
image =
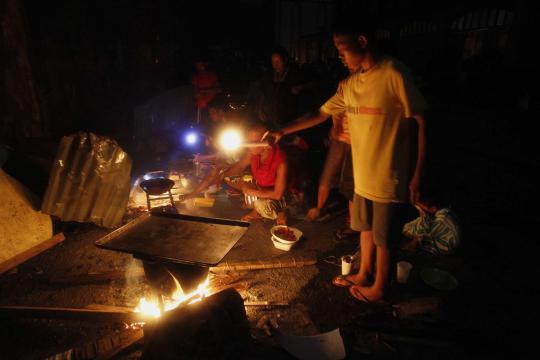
column 285, row 235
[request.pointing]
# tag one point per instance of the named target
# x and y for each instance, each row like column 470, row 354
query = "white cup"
column 346, row 264
column 403, row 270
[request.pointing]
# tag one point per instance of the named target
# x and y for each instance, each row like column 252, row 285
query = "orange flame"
column 151, row 308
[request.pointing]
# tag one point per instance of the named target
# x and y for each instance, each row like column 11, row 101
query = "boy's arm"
column 204, row 184
column 414, row 186
column 304, row 122
column 239, row 167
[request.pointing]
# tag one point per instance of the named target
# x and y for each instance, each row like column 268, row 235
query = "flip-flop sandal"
column 364, row 297
column 344, row 234
column 342, row 277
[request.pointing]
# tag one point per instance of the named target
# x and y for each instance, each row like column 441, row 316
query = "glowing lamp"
column 230, row 140
column 191, row 138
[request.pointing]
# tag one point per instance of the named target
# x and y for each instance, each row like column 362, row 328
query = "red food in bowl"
column 285, row 233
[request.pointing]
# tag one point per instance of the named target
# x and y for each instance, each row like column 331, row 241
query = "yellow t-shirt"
column 379, row 104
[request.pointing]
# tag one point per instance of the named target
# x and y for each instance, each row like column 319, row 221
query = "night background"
column 98, row 66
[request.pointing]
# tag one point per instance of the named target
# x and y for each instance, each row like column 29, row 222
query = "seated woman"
column 269, row 168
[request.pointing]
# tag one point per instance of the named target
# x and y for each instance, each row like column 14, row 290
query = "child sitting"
column 436, row 230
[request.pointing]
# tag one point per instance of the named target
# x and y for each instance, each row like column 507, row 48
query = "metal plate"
column 182, row 239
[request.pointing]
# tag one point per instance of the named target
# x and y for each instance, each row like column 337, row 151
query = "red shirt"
column 205, row 82
column 265, row 172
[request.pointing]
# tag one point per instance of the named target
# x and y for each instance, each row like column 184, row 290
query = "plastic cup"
column 403, row 270
column 346, row 264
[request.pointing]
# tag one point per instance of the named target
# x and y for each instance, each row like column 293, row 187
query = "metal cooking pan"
column 157, row 186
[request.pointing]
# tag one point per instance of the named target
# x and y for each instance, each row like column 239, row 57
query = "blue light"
column 191, row 138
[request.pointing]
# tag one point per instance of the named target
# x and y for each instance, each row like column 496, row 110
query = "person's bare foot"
column 281, row 218
column 348, row 280
column 313, row 214
column 344, row 281
column 367, row 294
column 252, row 215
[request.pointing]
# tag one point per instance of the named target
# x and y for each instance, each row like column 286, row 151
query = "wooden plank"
column 92, row 278
column 418, row 306
column 266, row 303
column 272, row 263
column 30, row 253
column 125, row 343
column 68, row 313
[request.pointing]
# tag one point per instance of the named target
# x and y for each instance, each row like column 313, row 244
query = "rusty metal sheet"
column 89, row 181
column 178, row 238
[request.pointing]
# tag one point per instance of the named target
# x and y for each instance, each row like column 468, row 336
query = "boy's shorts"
column 378, row 217
column 269, row 208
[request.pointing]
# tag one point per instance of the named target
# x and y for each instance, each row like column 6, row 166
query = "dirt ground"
column 484, row 317
column 470, row 322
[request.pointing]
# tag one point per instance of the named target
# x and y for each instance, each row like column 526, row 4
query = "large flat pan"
column 181, row 239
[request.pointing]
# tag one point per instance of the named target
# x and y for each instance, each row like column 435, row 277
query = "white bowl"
column 297, row 234
column 281, row 246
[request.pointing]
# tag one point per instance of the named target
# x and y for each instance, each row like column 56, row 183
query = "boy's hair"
column 432, row 194
column 281, row 51
column 354, row 26
column 219, row 102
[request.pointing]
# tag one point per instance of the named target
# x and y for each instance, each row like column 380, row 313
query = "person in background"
column 280, row 89
column 387, row 127
column 437, row 229
column 269, row 168
column 338, row 166
column 205, row 87
column 220, row 120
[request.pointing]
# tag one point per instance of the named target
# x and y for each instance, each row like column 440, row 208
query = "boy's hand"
column 247, row 188
column 275, row 135
column 185, row 197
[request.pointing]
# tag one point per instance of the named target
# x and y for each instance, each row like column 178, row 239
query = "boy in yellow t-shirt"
column 382, row 106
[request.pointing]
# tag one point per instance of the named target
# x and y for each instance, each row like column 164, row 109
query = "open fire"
column 152, row 308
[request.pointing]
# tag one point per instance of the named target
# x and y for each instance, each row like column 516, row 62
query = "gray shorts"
column 334, row 163
column 378, row 217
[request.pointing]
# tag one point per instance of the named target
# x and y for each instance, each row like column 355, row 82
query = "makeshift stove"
column 177, row 251
column 157, row 189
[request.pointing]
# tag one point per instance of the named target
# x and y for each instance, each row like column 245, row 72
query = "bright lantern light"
column 230, row 140
column 191, row 138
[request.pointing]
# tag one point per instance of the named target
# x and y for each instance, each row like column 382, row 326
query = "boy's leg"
column 332, row 167
column 269, row 209
column 361, row 217
column 382, row 225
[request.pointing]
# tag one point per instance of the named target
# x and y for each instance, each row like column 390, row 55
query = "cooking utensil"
column 439, row 279
column 176, row 238
column 156, row 186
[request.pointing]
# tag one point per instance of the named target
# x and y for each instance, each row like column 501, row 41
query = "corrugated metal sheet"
column 89, row 181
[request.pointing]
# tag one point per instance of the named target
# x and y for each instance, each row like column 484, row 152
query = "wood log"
column 214, row 328
column 30, row 253
column 125, row 343
column 102, row 349
column 94, row 278
column 266, row 303
column 259, row 264
column 69, row 313
column 418, row 306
